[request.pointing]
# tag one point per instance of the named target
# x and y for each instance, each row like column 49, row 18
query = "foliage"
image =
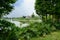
column 8, row 31
column 48, row 7
column 35, row 30
column 57, row 25
column 52, row 36
column 6, row 6
column 33, row 15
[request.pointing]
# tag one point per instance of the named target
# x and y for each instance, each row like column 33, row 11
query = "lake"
column 19, row 24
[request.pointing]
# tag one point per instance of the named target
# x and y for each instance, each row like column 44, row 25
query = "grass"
column 21, row 18
column 25, row 20
column 52, row 36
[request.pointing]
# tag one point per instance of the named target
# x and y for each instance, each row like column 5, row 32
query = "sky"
column 22, row 8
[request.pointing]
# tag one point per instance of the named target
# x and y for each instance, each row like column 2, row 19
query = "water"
column 25, row 25
column 16, row 23
column 19, row 24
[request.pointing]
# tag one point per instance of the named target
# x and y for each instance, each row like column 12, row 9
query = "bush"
column 57, row 25
column 35, row 29
column 8, row 31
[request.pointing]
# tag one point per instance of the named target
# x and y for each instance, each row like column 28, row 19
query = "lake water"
column 19, row 24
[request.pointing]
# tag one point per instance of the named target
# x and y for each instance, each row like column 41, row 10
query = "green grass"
column 52, row 36
column 25, row 20
column 21, row 18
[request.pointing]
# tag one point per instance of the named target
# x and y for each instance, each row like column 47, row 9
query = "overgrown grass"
column 52, row 36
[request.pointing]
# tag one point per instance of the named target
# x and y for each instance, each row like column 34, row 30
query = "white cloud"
column 25, row 8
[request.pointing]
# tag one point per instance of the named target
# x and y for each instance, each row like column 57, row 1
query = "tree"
column 6, row 6
column 24, row 16
column 33, row 15
column 8, row 31
column 45, row 7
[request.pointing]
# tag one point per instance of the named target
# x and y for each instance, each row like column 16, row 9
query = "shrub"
column 35, row 29
column 57, row 25
column 8, row 31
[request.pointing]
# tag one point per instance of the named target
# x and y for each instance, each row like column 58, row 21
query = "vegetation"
column 8, row 31
column 52, row 36
column 36, row 29
column 33, row 15
column 49, row 10
column 6, row 6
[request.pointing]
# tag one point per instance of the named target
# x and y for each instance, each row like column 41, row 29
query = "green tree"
column 6, row 6
column 33, row 15
column 8, row 31
column 48, row 7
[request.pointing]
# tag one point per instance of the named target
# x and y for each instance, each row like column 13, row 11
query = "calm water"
column 19, row 24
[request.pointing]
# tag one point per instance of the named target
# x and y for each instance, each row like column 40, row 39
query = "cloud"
column 22, row 8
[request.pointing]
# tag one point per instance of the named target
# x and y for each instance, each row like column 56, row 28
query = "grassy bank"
column 52, row 36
